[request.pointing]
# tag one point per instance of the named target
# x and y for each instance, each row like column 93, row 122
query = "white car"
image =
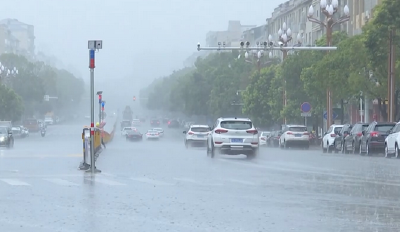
column 294, row 135
column 126, row 129
column 160, row 130
column 197, row 134
column 263, row 137
column 328, row 141
column 233, row 136
column 49, row 120
column 152, row 134
column 136, row 122
column 392, row 142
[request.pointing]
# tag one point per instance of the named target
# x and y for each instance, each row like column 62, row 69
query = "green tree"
column 376, row 38
column 256, row 98
column 10, row 104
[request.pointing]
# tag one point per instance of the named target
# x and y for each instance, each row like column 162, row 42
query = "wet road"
column 161, row 186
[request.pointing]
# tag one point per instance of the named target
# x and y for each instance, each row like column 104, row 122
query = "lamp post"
column 6, row 74
column 285, row 36
column 329, row 8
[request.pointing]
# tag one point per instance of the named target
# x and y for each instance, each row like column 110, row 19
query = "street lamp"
column 6, row 74
column 329, row 8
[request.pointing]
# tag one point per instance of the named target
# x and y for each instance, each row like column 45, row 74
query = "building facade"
column 231, row 37
column 17, row 37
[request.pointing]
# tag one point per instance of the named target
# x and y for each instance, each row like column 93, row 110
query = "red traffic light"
column 134, row 98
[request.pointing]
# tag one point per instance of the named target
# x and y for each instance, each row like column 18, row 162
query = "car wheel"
column 328, row 148
column 367, row 150
column 397, row 152
column 212, row 152
column 334, row 148
column 285, row 145
column 323, row 149
column 253, row 154
column 307, row 147
column 360, row 150
column 387, row 155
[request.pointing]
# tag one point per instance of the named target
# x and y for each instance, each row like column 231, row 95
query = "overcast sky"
column 141, row 39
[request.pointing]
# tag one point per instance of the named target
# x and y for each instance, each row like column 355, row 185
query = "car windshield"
column 265, row 133
column 236, row 125
column 158, row 129
column 298, row 129
column 3, row 130
column 383, row 128
column 128, row 128
column 200, row 129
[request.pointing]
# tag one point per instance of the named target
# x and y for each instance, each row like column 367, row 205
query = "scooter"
column 43, row 132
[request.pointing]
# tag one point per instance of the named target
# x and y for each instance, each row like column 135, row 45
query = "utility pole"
column 93, row 45
column 391, row 76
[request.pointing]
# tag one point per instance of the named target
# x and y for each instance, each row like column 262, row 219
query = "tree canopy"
column 23, row 93
column 358, row 65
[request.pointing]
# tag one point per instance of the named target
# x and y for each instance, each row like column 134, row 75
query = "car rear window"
column 383, row 128
column 127, row 128
column 236, row 125
column 337, row 129
column 298, row 129
column 199, row 129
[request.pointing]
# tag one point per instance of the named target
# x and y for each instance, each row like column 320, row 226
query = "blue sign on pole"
column 305, row 107
column 334, row 115
column 102, row 104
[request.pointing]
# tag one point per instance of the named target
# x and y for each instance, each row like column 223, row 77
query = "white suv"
column 233, row 136
column 293, row 135
column 328, row 141
column 196, row 135
column 392, row 142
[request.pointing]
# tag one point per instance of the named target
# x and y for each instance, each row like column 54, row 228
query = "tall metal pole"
column 328, row 91
column 93, row 45
column 284, row 56
column 392, row 76
column 92, row 158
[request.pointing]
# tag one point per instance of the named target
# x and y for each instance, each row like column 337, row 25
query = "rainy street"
column 161, row 185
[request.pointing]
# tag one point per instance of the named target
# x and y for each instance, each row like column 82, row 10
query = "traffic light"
column 100, row 98
column 134, row 98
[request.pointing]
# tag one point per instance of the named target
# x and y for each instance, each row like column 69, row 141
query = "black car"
column 155, row 122
column 134, row 135
column 173, row 124
column 352, row 141
column 6, row 137
column 373, row 138
column 340, row 137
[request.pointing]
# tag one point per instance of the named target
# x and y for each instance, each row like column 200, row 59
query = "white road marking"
column 15, row 182
column 61, row 182
column 107, row 182
column 106, row 174
column 242, row 182
column 188, row 180
column 150, row 181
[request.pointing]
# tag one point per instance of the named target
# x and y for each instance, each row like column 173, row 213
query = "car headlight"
column 2, row 139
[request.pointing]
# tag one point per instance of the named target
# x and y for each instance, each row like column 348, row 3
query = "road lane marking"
column 107, row 182
column 15, row 182
column 150, row 181
column 61, row 182
column 242, row 182
column 106, row 174
column 191, row 181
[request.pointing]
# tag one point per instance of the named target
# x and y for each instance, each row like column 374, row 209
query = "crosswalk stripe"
column 188, row 180
column 15, row 182
column 61, row 182
column 150, row 181
column 242, row 182
column 107, row 182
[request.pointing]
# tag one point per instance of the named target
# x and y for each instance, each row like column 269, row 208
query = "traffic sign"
column 334, row 115
column 103, row 103
column 305, row 107
column 308, row 114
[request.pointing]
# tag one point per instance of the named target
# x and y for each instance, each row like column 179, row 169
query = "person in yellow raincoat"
column 102, row 142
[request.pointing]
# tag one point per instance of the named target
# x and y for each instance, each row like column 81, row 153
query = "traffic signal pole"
column 93, row 45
